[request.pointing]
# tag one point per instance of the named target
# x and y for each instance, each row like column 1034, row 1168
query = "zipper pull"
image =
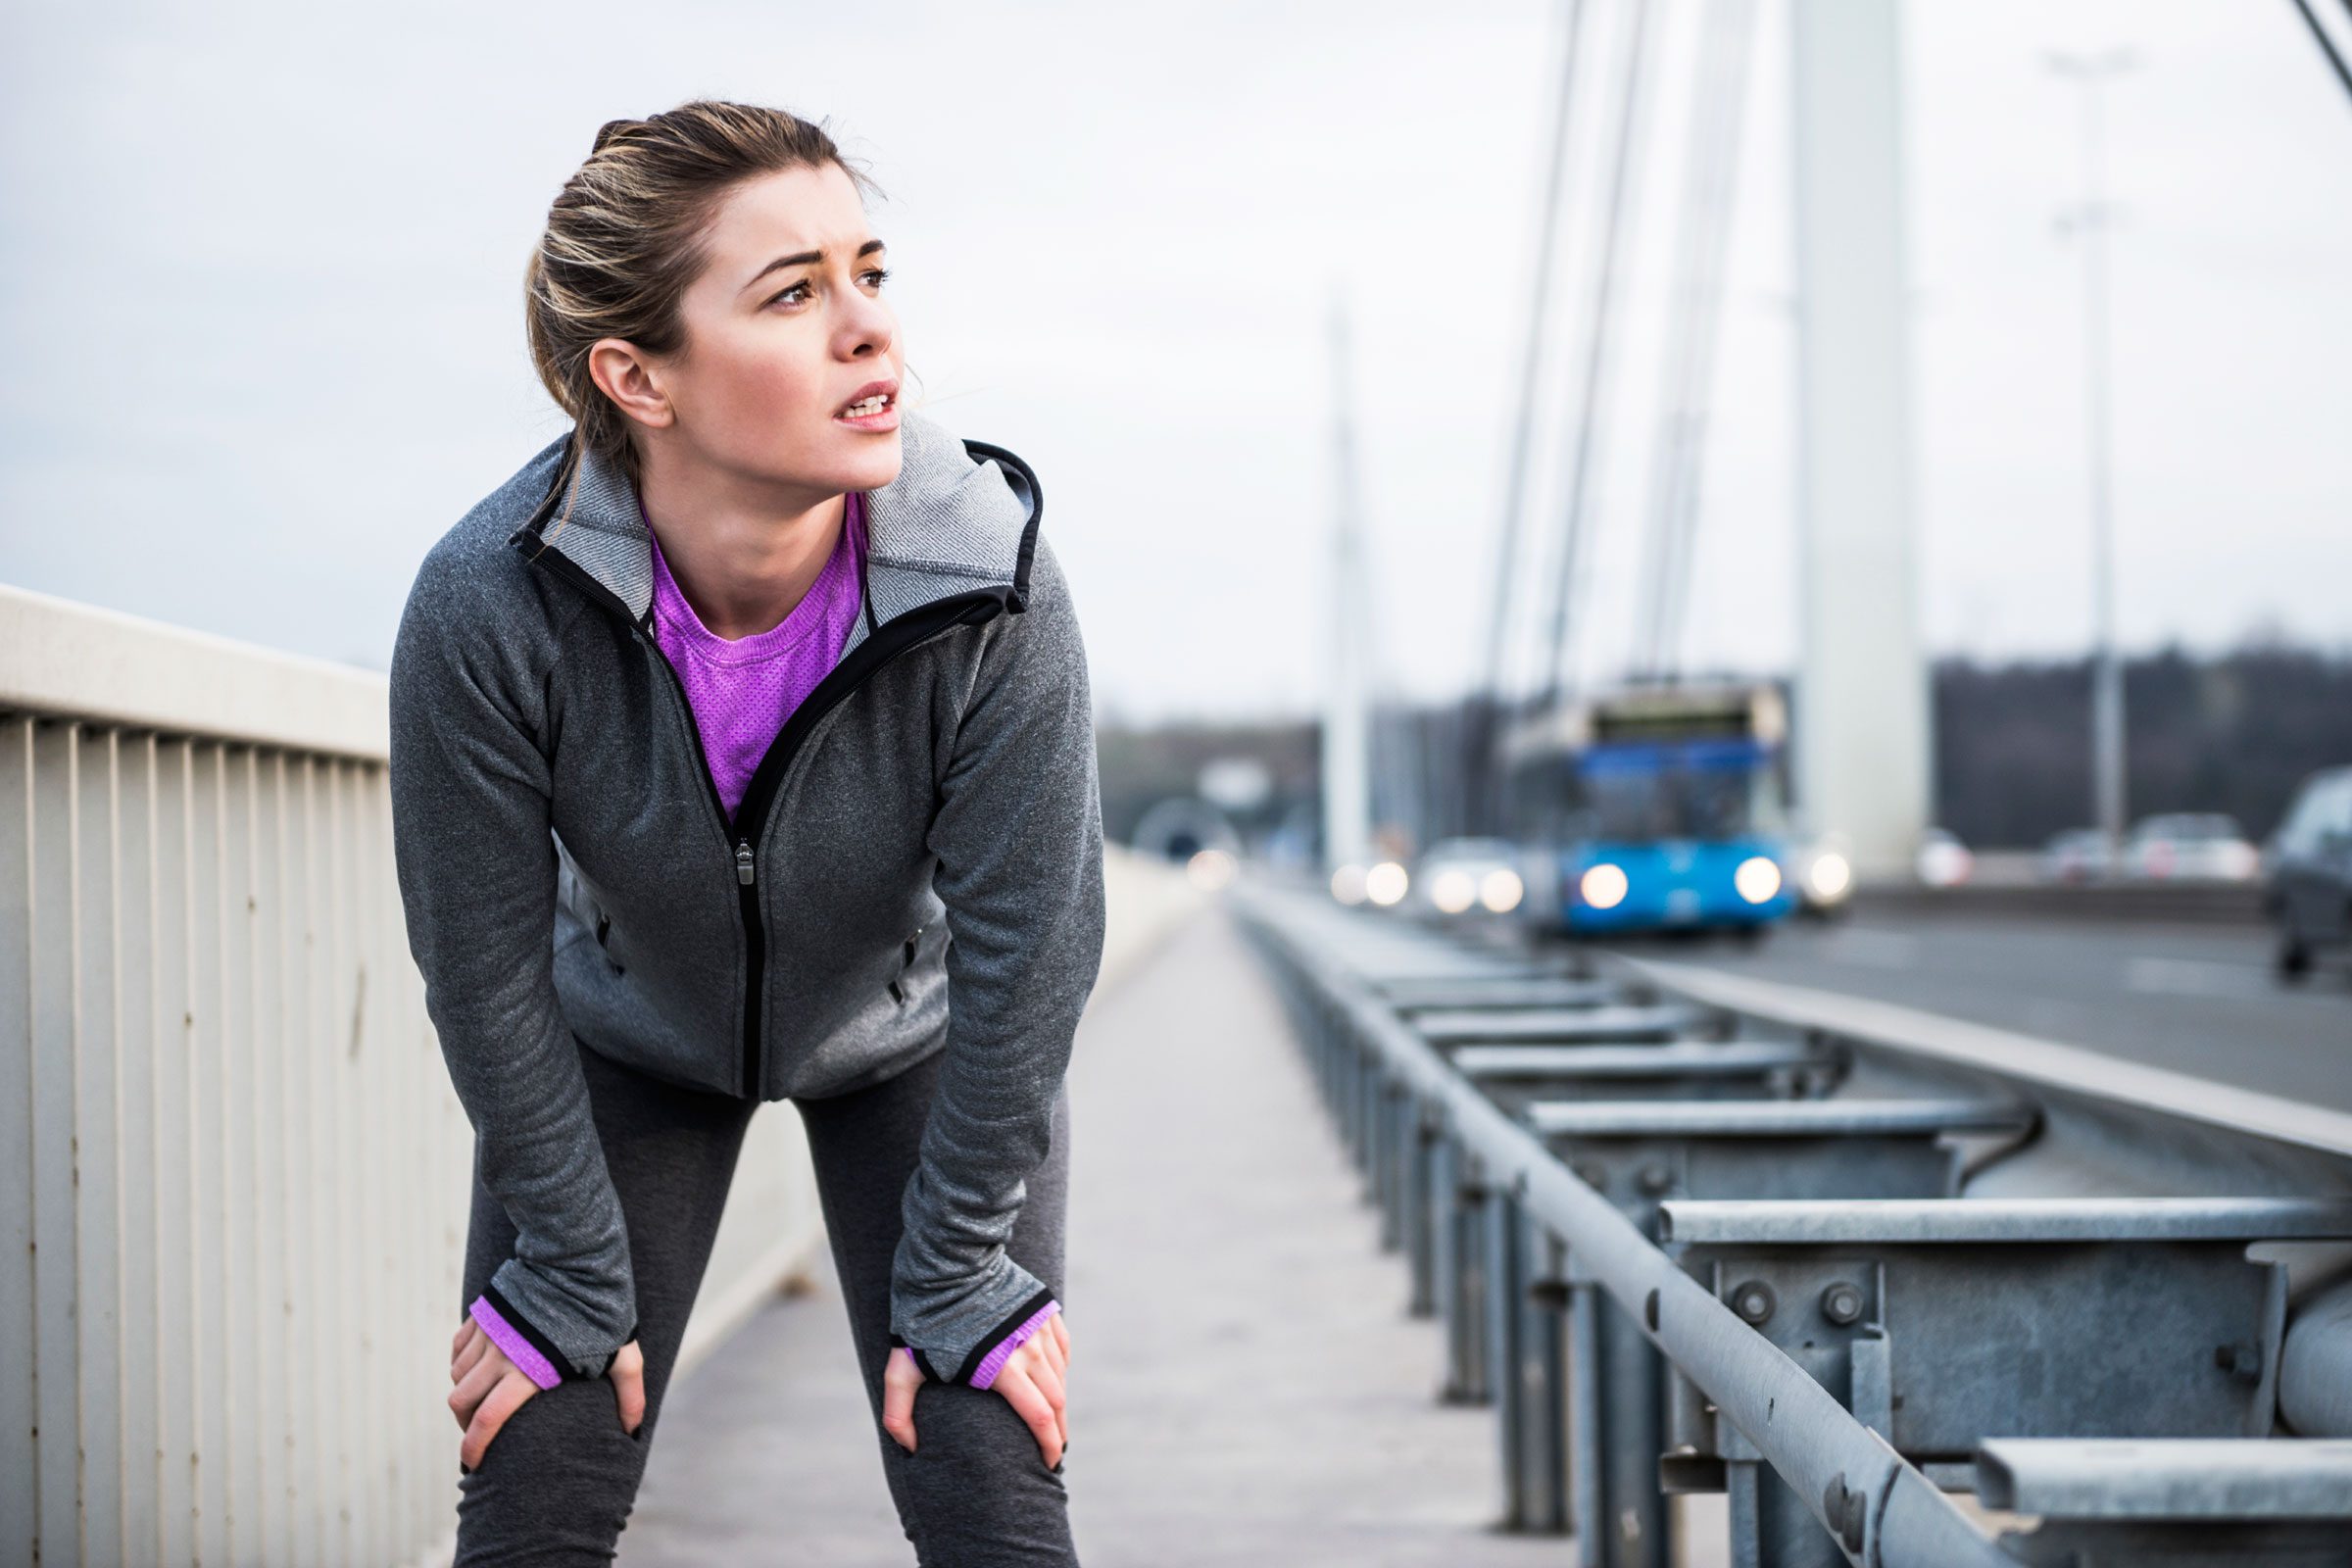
column 743, row 862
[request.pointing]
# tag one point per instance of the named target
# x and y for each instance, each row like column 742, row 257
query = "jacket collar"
column 960, row 518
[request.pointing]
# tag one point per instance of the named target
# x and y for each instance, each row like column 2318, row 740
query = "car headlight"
column 1453, row 891
column 1210, row 870
column 1501, row 891
column 1603, row 886
column 1830, row 876
column 1757, row 879
column 1385, row 883
column 1348, row 884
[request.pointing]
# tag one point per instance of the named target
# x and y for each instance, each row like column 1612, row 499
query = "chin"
column 874, row 463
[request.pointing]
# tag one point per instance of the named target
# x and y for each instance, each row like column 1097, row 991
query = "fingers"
column 469, row 1355
column 899, row 1379
column 1029, row 1401
column 1041, row 1370
column 1056, row 1343
column 628, row 1384
column 466, row 1331
column 476, row 1384
column 1058, row 1350
column 502, row 1401
column 1054, row 1346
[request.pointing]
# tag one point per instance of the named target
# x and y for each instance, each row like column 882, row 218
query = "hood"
column 960, row 519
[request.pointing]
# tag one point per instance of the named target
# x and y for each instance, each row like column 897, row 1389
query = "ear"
column 627, row 375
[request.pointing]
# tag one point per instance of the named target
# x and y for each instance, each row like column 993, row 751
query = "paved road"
column 1247, row 1389
column 2197, row 999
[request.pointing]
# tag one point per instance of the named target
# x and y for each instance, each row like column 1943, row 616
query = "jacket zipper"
column 882, row 645
column 765, row 787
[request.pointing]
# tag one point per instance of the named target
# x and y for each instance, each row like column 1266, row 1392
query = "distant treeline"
column 2231, row 732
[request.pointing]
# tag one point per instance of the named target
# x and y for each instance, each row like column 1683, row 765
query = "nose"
column 868, row 327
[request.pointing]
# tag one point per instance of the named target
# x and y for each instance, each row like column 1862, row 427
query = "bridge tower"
column 1861, row 721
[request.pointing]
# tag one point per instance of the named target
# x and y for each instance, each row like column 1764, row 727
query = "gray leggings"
column 555, row 1486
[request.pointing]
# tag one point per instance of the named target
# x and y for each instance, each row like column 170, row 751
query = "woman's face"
column 785, row 329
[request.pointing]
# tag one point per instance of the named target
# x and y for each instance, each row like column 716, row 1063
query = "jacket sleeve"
column 1018, row 835
column 477, row 867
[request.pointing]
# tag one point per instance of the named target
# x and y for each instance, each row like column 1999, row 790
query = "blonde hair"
column 627, row 234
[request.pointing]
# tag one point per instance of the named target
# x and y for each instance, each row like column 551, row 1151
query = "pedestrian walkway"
column 1245, row 1386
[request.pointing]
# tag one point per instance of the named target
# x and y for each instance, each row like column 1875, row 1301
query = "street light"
column 2090, row 72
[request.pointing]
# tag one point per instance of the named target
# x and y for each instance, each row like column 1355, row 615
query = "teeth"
column 873, row 404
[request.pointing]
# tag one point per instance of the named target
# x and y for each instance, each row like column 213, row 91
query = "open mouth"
column 874, row 399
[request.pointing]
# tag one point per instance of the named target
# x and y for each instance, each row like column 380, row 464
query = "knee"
column 557, row 1485
column 976, row 1490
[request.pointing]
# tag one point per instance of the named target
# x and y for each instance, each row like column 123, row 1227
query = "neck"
column 744, row 557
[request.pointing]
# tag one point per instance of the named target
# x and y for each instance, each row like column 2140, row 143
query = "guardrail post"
column 1420, row 1214
column 1400, row 1112
column 1348, row 1083
column 1547, row 1374
column 1335, row 1046
column 1618, row 1396
column 1506, row 1316
column 1316, row 1026
column 1461, row 1275
column 1769, row 1527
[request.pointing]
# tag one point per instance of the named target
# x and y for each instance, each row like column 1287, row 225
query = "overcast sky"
column 260, row 274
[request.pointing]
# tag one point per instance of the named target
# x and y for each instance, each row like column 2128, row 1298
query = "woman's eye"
column 801, row 289
column 880, row 275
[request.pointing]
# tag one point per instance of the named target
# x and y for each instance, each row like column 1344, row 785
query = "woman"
column 741, row 751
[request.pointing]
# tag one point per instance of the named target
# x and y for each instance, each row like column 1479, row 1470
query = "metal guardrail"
column 1799, row 1265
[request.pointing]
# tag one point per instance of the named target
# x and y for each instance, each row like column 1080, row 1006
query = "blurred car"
column 2077, row 855
column 1943, row 860
column 2190, row 846
column 1455, row 877
column 2309, row 890
column 1821, row 867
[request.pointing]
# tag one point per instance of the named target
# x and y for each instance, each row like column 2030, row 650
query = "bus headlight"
column 1452, row 892
column 1832, row 877
column 1757, row 879
column 1501, row 891
column 1603, row 886
column 1385, row 883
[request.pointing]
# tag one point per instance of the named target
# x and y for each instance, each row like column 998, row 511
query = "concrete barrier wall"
column 237, row 1175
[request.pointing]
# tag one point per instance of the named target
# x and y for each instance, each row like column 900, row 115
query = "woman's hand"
column 1033, row 1382
column 490, row 1388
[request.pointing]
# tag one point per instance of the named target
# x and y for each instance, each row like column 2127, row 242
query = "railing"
column 1836, row 1262
column 238, row 1176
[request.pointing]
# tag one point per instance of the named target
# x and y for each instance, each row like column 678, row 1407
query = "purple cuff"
column 986, row 1373
column 519, row 1351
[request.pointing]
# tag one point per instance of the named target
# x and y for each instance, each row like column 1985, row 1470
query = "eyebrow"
column 807, row 258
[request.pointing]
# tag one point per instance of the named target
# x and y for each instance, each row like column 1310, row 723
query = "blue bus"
column 1653, row 809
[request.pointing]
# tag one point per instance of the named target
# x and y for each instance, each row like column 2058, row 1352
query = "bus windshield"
column 1700, row 790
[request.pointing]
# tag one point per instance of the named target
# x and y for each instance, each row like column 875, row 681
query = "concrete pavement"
column 1245, row 1387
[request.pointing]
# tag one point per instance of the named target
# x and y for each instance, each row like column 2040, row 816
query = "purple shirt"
column 742, row 689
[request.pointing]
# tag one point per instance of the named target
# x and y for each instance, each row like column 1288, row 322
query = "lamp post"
column 2090, row 72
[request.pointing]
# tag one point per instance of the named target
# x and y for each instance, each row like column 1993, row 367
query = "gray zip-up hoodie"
column 916, row 865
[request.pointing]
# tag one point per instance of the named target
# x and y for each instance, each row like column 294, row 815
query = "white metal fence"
column 236, row 1175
